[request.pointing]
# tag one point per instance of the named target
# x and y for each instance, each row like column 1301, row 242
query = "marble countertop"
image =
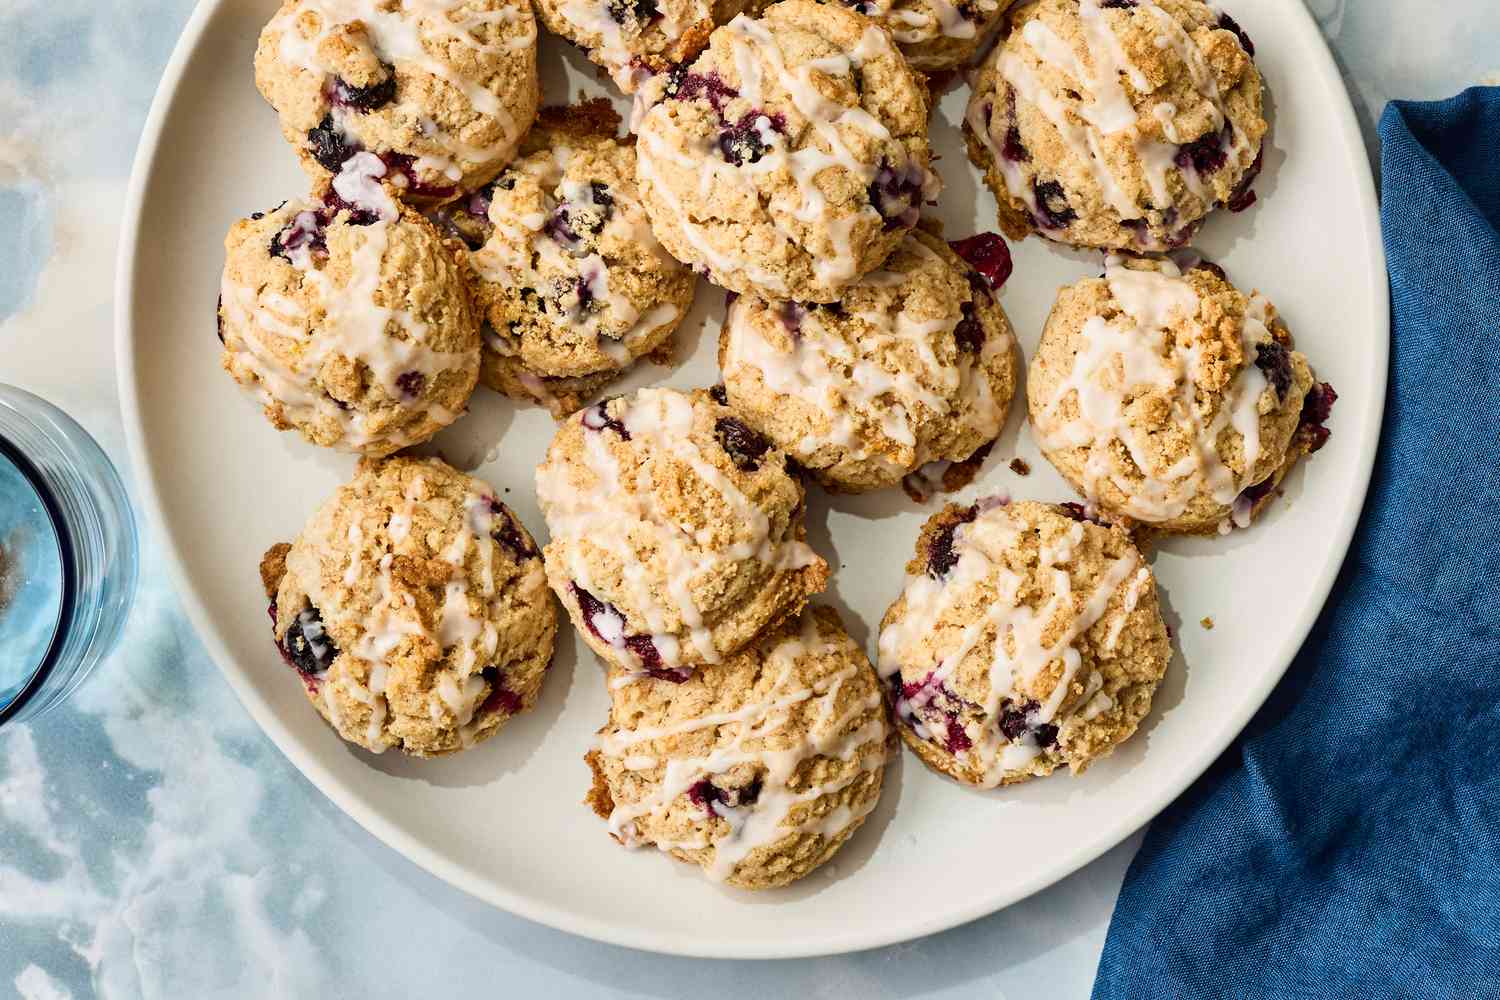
column 154, row 844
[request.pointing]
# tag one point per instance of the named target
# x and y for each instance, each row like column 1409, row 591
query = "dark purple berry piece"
column 593, row 609
column 357, row 215
column 719, row 394
column 704, row 794
column 646, row 651
column 642, row 11
column 651, row 665
column 558, row 226
column 307, row 646
column 1243, row 197
column 478, row 203
column 1053, row 210
column 1117, row 4
column 328, row 145
column 896, row 194
column 411, row 384
column 365, row 99
column 1013, row 723
column 940, row 555
column 968, row 334
column 1074, row 510
column 1013, row 148
column 1229, row 24
column 585, row 292
column 988, row 254
column 219, row 316
column 508, row 533
column 642, row 646
column 685, row 86
column 1205, row 154
column 305, row 230
column 1316, row 409
column 743, row 143
column 958, row 741
column 597, row 418
column 1276, row 364
column 1252, row 495
column 745, row 447
column 500, row 698
column 404, row 165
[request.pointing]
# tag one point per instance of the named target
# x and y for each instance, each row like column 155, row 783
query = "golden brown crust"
column 273, row 567
column 1003, row 571
column 598, row 798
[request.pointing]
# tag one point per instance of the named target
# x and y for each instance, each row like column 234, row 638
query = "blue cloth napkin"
column 1348, row 844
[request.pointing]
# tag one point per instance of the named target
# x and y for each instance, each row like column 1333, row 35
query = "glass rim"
column 39, row 674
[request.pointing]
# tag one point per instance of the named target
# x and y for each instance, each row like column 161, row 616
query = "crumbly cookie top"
column 668, row 514
column 1179, row 372
column 771, row 744
column 910, row 356
column 1147, row 111
column 348, row 318
column 634, row 39
column 423, row 603
column 357, row 74
column 934, row 34
column 571, row 246
column 807, row 121
column 1010, row 626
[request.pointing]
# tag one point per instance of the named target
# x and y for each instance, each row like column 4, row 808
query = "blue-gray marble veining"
column 154, row 844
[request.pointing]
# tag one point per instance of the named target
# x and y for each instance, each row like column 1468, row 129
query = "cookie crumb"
column 1019, row 467
column 1207, row 623
column 273, row 568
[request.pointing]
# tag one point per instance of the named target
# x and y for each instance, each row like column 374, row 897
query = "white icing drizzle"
column 757, row 54
column 524, row 252
column 1006, row 621
column 395, row 31
column 1100, row 71
column 616, row 517
column 848, row 383
column 1129, row 355
column 389, row 342
column 768, row 819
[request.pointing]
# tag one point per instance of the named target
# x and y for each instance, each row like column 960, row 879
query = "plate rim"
column 642, row 937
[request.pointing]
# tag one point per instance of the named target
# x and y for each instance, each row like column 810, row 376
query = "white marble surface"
column 154, row 844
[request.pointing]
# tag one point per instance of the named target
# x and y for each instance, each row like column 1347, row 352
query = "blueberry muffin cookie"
column 1117, row 123
column 915, row 363
column 677, row 531
column 634, row 39
column 348, row 318
column 935, row 35
column 791, row 157
column 1171, row 398
column 758, row 768
column 572, row 284
column 441, row 91
column 1026, row 638
column 414, row 608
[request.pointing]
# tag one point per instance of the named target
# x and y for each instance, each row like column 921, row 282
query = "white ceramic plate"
column 504, row 821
